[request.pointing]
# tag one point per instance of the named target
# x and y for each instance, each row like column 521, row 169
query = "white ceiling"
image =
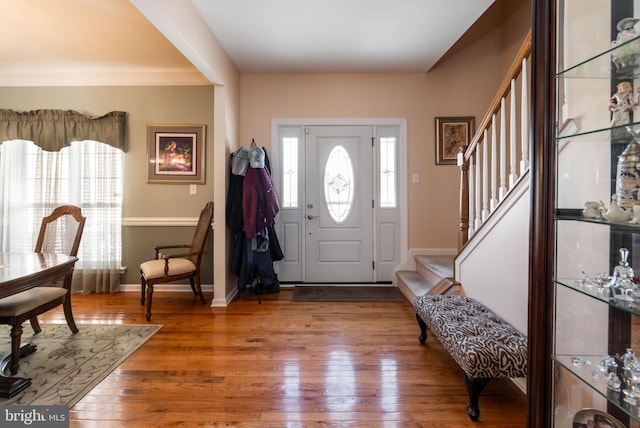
column 338, row 35
column 112, row 36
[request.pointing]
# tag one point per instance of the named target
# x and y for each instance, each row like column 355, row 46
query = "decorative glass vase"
column 623, row 278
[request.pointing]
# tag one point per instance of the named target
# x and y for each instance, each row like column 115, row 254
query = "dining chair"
column 167, row 268
column 60, row 232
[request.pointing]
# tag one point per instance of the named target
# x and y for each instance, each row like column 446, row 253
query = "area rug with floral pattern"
column 66, row 366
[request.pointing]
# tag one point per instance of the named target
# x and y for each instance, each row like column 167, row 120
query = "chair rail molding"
column 161, row 221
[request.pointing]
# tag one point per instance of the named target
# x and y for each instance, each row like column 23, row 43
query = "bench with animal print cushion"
column 484, row 345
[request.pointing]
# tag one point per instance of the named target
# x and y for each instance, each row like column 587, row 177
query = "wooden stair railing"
column 483, row 165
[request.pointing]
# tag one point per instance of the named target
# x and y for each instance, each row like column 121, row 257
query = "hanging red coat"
column 259, row 201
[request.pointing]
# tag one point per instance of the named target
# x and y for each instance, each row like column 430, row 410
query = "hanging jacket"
column 259, row 201
column 246, row 262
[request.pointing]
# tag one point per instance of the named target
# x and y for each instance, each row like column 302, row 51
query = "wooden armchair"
column 60, row 232
column 174, row 267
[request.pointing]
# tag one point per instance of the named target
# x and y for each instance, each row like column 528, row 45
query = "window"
column 339, row 184
column 33, row 182
column 290, row 170
column 388, row 172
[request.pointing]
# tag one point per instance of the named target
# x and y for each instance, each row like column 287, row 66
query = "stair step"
column 412, row 285
column 434, row 268
column 433, row 275
column 413, row 282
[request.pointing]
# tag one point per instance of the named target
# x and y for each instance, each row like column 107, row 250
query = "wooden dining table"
column 20, row 272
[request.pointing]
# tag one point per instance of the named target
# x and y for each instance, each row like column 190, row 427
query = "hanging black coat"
column 245, row 262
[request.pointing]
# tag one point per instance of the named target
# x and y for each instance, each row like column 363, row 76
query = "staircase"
column 494, row 181
column 432, row 275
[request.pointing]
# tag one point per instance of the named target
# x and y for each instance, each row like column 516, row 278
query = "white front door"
column 338, row 204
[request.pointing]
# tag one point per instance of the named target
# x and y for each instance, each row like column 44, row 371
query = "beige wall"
column 241, row 107
column 182, row 24
column 157, row 104
column 226, row 140
column 463, row 83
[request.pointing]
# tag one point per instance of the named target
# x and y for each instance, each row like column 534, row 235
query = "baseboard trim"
column 165, row 287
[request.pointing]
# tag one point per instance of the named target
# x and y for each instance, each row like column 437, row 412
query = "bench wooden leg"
column 474, row 388
column 423, row 330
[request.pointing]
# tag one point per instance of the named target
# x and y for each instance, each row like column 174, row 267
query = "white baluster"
column 478, row 194
column 485, row 177
column 494, row 164
column 472, row 196
column 513, row 176
column 503, row 149
column 524, row 120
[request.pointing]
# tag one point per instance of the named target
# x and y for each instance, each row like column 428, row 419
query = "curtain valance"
column 54, row 129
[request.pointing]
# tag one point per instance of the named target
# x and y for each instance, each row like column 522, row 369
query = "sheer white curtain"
column 87, row 174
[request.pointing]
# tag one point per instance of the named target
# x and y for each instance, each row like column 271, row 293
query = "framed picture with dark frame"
column 452, row 134
column 175, row 154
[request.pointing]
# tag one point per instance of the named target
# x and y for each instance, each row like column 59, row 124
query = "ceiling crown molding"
column 102, row 76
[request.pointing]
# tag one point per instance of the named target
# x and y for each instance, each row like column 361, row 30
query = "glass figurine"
column 623, row 278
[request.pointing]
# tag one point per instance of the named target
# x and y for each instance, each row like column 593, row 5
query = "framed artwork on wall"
column 452, row 134
column 175, row 154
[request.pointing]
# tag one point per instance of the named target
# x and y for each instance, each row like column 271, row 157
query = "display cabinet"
column 594, row 293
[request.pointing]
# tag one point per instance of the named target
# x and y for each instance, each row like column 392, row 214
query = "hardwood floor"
column 280, row 364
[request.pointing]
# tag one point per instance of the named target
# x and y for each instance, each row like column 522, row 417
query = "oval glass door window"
column 339, row 184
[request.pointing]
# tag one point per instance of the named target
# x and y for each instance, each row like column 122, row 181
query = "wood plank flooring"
column 280, row 364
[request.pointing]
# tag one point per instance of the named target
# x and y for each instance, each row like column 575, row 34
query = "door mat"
column 339, row 293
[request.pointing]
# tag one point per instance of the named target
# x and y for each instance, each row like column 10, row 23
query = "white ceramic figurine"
column 615, row 213
column 593, row 210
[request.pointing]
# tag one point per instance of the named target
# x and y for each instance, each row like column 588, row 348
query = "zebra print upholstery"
column 484, row 345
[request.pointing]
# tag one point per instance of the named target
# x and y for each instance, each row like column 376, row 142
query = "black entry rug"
column 339, row 293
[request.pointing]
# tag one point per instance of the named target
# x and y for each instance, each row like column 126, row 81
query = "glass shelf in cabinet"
column 572, row 214
column 601, row 66
column 605, row 134
column 584, row 371
column 605, row 296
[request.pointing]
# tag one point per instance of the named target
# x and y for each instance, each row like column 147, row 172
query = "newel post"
column 463, row 233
